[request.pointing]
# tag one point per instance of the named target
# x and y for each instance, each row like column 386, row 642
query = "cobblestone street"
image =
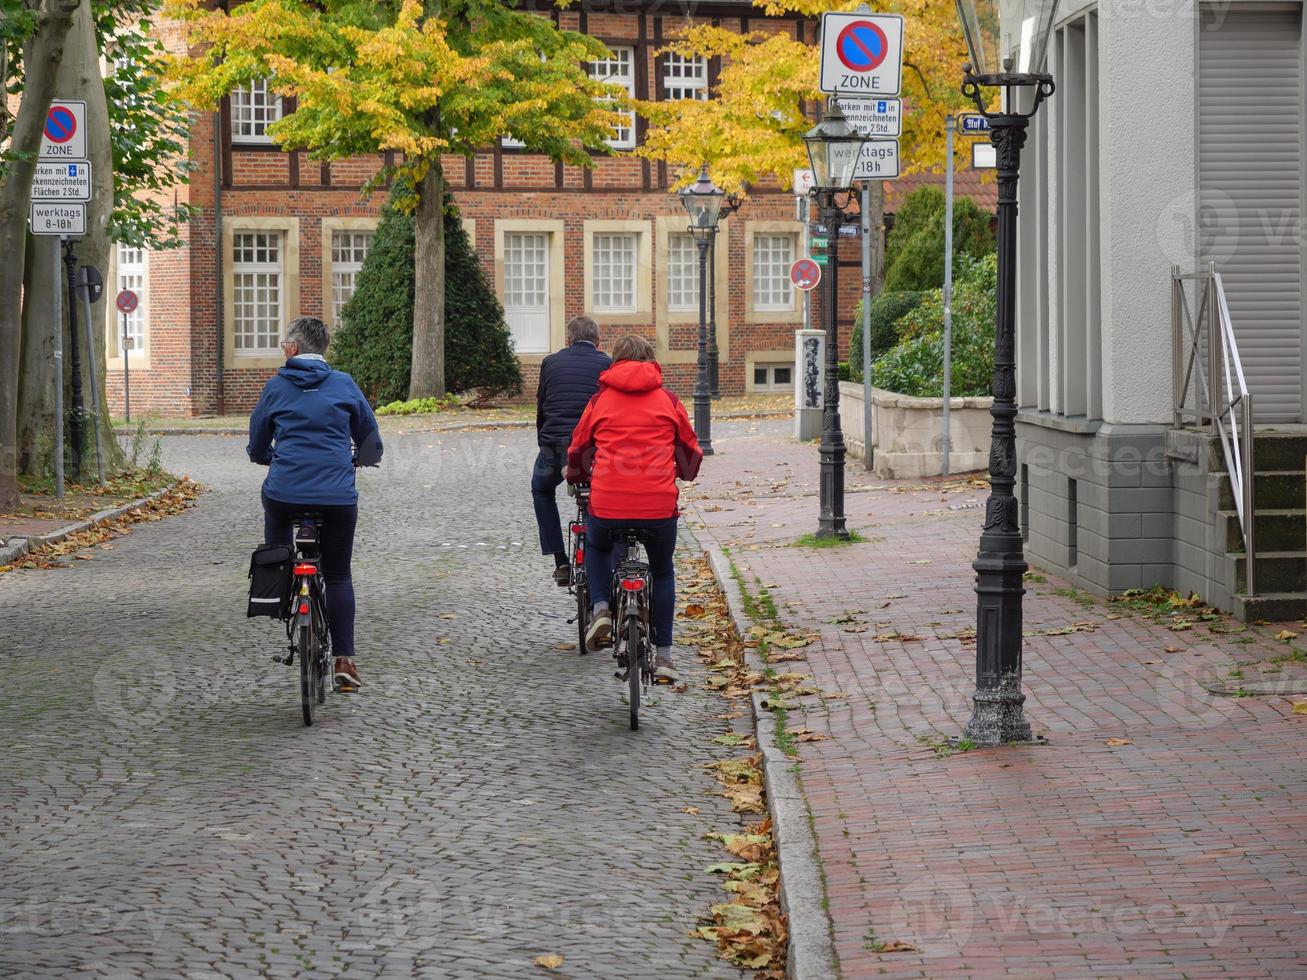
column 165, row 813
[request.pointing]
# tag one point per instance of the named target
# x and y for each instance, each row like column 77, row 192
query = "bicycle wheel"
column 582, row 611
column 324, row 658
column 309, row 669
column 634, row 668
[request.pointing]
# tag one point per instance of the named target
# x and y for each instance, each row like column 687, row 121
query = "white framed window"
column 682, row 272
column 526, row 290
column 619, row 69
column 773, row 377
column 772, row 257
column 257, row 293
column 133, row 274
column 685, row 77
column 254, row 107
column 348, row 250
column 614, row 257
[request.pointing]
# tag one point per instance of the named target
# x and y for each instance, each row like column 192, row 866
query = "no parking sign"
column 861, row 54
column 805, row 274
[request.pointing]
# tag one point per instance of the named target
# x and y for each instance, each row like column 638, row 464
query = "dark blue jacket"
column 568, row 380
column 306, row 427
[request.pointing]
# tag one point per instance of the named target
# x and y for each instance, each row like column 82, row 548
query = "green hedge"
column 374, row 341
column 886, row 311
column 914, row 252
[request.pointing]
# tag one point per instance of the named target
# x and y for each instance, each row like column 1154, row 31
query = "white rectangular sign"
column 63, row 137
column 861, row 54
column 879, row 160
column 802, row 182
column 62, row 181
column 58, row 219
column 983, row 156
column 876, row 118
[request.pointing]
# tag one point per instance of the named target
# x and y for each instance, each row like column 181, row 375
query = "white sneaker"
column 600, row 631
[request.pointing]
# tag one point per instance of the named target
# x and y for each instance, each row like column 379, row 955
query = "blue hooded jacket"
column 303, row 427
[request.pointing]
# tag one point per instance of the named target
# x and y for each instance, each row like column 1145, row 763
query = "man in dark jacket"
column 568, row 380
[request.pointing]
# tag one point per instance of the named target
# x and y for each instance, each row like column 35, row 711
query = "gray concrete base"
column 807, row 424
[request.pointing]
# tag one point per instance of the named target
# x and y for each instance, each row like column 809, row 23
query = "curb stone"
column 16, row 548
column 811, row 953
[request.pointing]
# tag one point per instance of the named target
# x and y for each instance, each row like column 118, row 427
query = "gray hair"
column 582, row 328
column 310, row 333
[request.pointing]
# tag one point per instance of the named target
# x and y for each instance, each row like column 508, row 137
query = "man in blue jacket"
column 568, row 380
column 312, row 427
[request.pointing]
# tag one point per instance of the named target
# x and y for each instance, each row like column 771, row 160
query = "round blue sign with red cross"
column 60, row 124
column 862, row 46
column 805, row 274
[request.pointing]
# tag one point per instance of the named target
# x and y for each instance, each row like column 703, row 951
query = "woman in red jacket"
column 632, row 442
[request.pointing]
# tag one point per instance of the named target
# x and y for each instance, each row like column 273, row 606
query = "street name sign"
column 62, row 181
column 805, row 274
column 873, row 117
column 879, row 160
column 846, row 230
column 861, row 54
column 983, row 156
column 52, row 218
column 64, row 134
column 973, row 124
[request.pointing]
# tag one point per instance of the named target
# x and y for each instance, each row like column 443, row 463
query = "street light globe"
column 703, row 201
column 833, row 150
column 1006, row 37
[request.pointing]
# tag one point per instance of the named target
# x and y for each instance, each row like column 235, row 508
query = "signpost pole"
column 75, row 432
column 96, row 406
column 949, row 123
column 127, row 380
column 867, row 455
column 58, row 317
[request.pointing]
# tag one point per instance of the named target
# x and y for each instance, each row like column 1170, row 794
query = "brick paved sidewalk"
column 1178, row 852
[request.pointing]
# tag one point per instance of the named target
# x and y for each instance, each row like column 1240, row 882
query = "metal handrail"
column 1205, row 364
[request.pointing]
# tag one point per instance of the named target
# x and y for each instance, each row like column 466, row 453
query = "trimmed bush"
column 374, row 341
column 915, row 366
column 886, row 311
column 914, row 254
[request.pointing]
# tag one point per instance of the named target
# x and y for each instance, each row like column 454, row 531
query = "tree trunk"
column 41, row 62
column 877, row 236
column 36, row 364
column 427, row 376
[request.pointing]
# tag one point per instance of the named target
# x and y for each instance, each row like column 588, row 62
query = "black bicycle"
column 632, row 594
column 307, row 626
column 576, row 555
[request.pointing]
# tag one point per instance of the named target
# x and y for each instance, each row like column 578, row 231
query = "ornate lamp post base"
column 832, row 452
column 997, row 717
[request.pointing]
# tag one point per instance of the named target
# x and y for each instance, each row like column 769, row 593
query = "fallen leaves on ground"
column 1115, row 742
column 1285, row 635
column 807, row 735
column 1300, row 708
column 750, row 930
column 549, row 961
column 1081, row 627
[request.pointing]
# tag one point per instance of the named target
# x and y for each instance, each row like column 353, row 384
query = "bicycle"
column 576, row 556
column 307, row 626
column 632, row 594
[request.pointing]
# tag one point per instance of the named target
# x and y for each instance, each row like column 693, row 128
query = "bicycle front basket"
column 270, row 581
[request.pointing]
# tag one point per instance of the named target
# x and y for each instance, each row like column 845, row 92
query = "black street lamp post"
column 833, row 151
column 703, row 201
column 998, row 716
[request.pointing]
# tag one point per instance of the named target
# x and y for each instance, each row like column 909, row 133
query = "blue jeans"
column 600, row 562
column 336, row 543
column 545, row 478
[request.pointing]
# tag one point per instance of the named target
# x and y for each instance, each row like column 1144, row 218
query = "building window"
column 772, row 257
column 254, row 107
column 132, row 275
column 682, row 273
column 348, row 250
column 685, row 78
column 773, row 377
column 619, row 69
column 614, row 273
column 257, row 291
column 526, row 290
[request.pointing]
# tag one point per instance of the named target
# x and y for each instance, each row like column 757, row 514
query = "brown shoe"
column 347, row 675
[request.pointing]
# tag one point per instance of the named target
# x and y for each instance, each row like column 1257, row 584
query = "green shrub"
column 886, row 311
column 915, row 366
column 914, row 254
column 374, row 342
column 420, row 406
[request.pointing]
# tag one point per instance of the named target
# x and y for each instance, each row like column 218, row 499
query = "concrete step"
column 1274, row 489
column 1277, row 571
column 1276, row 530
column 1273, row 451
column 1273, row 607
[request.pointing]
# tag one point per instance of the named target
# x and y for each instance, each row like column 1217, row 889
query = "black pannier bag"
column 270, row 580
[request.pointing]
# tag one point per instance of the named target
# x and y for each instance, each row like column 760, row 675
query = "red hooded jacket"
column 632, row 442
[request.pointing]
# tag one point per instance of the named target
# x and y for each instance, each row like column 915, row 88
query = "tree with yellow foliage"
column 423, row 78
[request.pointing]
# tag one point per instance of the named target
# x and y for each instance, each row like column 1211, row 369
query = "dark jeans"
column 600, row 560
column 545, row 478
column 336, row 539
